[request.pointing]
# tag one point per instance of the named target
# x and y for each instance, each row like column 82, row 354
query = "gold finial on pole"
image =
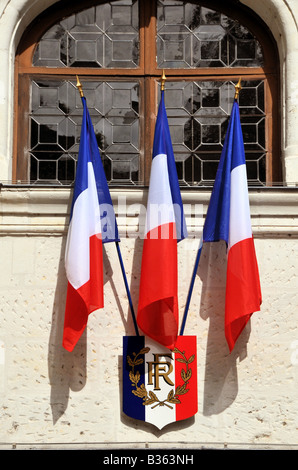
column 79, row 86
column 163, row 79
column 238, row 88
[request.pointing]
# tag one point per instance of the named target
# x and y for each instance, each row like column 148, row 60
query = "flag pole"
column 191, row 288
column 127, row 288
column 237, row 91
column 80, row 88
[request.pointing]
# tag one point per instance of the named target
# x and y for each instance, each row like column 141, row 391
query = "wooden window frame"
column 148, row 75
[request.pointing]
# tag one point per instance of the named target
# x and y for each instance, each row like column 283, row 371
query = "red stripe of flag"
column 84, row 300
column 158, row 307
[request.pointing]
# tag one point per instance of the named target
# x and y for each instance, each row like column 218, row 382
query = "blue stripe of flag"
column 132, row 404
column 89, row 152
column 216, row 225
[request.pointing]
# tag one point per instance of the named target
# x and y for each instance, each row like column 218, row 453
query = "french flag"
column 92, row 222
column 165, row 226
column 228, row 218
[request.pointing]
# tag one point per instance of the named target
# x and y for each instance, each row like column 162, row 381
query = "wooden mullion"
column 21, row 160
column 142, row 27
column 149, row 125
column 178, row 74
column 150, row 36
column 81, row 71
column 272, row 105
column 215, row 73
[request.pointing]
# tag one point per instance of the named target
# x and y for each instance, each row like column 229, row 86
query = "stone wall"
column 51, row 398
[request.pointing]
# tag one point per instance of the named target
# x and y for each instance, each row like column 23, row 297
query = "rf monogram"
column 157, row 369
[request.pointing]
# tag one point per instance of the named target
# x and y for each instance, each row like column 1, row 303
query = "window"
column 119, row 49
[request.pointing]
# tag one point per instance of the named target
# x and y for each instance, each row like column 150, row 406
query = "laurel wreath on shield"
column 151, row 398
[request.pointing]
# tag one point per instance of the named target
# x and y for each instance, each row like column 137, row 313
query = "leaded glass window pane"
column 198, row 114
column 55, row 126
column 104, row 36
column 190, row 36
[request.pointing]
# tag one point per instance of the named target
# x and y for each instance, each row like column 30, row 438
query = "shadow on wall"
column 221, row 382
column 68, row 371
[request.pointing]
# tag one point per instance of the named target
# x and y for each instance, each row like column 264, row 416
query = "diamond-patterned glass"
column 55, row 126
column 106, row 35
column 198, row 114
column 190, row 36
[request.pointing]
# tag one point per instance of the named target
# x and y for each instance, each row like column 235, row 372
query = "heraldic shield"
column 159, row 385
